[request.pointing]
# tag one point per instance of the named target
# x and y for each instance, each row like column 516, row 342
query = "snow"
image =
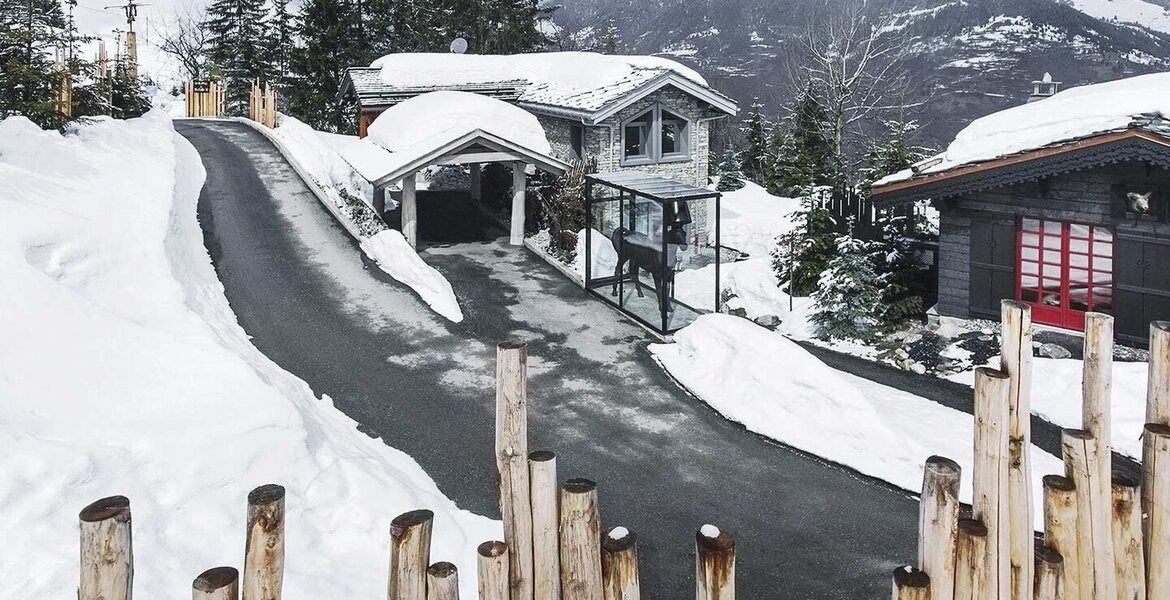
column 395, row 256
column 1069, row 115
column 1139, row 12
column 125, row 372
column 709, row 531
column 319, row 153
column 777, row 389
column 619, row 533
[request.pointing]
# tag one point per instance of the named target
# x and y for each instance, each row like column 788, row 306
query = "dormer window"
column 655, row 135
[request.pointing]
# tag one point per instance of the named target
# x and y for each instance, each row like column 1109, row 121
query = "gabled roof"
column 581, row 85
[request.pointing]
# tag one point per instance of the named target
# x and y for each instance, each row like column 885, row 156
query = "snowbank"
column 395, row 256
column 318, row 153
column 124, row 372
column 777, row 389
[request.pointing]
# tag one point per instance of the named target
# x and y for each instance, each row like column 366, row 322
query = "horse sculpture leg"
column 634, row 276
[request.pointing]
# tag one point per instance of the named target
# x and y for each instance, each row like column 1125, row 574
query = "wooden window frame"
column 1065, row 315
column 653, row 145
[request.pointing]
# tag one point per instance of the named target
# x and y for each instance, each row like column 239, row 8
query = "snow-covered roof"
column 418, row 131
column 582, row 82
column 1137, row 103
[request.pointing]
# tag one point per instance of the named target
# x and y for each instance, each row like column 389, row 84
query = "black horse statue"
column 641, row 252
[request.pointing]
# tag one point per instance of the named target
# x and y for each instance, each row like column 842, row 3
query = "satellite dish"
column 459, row 46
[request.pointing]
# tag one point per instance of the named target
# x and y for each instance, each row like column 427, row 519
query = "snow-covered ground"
column 777, row 389
column 124, row 372
column 1138, row 12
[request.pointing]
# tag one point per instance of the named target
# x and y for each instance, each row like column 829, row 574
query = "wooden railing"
column 262, row 104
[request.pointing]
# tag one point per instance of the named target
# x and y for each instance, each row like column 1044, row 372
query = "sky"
column 153, row 15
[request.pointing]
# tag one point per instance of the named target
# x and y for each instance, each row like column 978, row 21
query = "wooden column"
column 379, row 201
column 493, row 571
column 1127, row 539
column 1156, row 461
column 410, row 209
column 911, row 584
column 1060, row 530
column 546, row 547
column 264, row 549
column 714, row 564
column 619, row 565
column 410, row 555
column 1016, row 362
column 938, row 522
column 972, row 576
column 1049, row 575
column 442, row 582
column 512, row 462
column 475, row 183
column 107, row 556
column 519, row 189
column 990, row 475
column 1094, row 523
column 220, row 583
column 1097, row 396
column 580, row 541
column 1158, row 388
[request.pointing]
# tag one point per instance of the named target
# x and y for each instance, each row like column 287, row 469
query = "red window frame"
column 1070, row 274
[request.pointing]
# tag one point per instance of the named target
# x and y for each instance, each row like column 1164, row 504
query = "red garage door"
column 1064, row 270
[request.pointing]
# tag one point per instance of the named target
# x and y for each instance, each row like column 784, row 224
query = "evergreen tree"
column 804, row 252
column 755, row 131
column 128, row 97
column 281, row 26
column 730, row 173
column 810, row 160
column 900, row 274
column 30, row 31
column 893, row 155
column 317, row 65
column 238, row 47
column 610, row 41
column 778, row 161
column 848, row 294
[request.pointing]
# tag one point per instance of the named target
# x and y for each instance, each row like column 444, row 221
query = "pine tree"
column 30, row 31
column 848, row 294
column 238, row 47
column 280, row 40
column 900, row 273
column 803, row 253
column 755, row 131
column 730, row 173
column 128, row 97
column 778, row 161
column 317, row 65
column 610, row 41
column 894, row 154
column 810, row 160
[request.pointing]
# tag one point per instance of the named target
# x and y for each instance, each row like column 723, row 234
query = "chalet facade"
column 1061, row 204
column 627, row 113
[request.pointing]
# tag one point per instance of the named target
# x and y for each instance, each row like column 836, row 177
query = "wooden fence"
column 1104, row 537
column 206, row 98
column 262, row 104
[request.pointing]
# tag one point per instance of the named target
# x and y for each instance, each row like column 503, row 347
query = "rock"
column 901, row 353
column 738, row 312
column 768, row 321
column 918, row 368
column 913, row 337
column 1051, row 350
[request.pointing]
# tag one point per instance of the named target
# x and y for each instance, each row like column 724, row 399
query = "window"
column 1065, row 270
column 577, row 141
column 655, row 135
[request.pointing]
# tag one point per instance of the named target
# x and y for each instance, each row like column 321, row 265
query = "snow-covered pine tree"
column 899, row 272
column 128, row 97
column 778, row 161
column 755, row 130
column 803, row 253
column 730, row 173
column 318, row 63
column 610, row 40
column 894, row 154
column 848, row 294
column 280, row 25
column 30, row 30
column 810, row 162
column 238, row 47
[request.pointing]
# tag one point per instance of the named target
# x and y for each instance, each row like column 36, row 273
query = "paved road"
column 665, row 462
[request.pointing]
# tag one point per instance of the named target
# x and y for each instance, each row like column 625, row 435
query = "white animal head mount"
column 1139, row 203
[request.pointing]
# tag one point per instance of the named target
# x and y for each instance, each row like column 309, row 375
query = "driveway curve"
column 665, row 462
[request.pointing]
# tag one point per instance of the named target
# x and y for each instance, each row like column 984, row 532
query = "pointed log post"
column 1156, row 461
column 512, row 463
column 1049, row 574
column 619, row 565
column 1060, row 530
column 1097, row 396
column 972, row 575
column 220, row 583
column 474, row 183
column 264, row 549
column 493, row 571
column 410, row 554
column 1094, row 521
column 1127, row 539
column 107, row 556
column 580, row 541
column 938, row 522
column 546, row 552
column 991, row 475
column 910, row 584
column 442, row 582
column 1016, row 362
column 1158, row 388
column 410, row 209
column 519, row 191
column 714, row 564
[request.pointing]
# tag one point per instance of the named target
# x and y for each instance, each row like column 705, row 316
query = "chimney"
column 1045, row 88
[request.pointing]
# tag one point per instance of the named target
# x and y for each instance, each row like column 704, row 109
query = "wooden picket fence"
column 206, row 98
column 262, row 104
column 1104, row 538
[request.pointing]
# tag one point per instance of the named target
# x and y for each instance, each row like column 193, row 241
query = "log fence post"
column 220, row 583
column 991, row 476
column 714, row 564
column 410, row 555
column 580, row 541
column 1097, row 393
column 1016, row 363
column 938, row 522
column 512, row 463
column 107, row 555
column 1126, row 527
column 264, row 549
column 546, row 552
column 1158, row 386
column 619, row 565
column 1094, row 522
column 442, row 582
column 1156, row 460
column 1049, row 575
column 972, row 573
column 493, row 571
column 1060, row 530
column 910, row 584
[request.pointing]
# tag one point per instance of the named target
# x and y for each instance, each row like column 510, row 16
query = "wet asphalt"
column 665, row 462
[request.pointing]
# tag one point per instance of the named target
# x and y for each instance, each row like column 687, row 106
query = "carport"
column 451, row 128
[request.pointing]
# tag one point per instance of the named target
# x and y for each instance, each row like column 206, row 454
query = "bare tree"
column 184, row 38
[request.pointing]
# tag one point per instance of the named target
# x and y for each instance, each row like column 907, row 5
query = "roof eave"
column 715, row 99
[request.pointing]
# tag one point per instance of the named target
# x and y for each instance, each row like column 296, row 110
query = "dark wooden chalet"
column 1075, row 226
